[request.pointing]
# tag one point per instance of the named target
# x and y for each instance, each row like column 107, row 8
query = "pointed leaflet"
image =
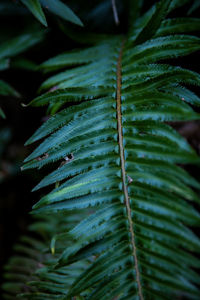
column 7, row 90
column 62, row 10
column 20, row 43
column 35, row 7
column 154, row 23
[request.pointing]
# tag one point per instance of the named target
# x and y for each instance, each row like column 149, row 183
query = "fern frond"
column 114, row 151
column 29, row 273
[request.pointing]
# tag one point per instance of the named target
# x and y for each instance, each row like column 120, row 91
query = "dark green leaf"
column 35, row 7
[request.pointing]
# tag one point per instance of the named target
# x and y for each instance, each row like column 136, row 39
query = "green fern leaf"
column 19, row 44
column 114, row 152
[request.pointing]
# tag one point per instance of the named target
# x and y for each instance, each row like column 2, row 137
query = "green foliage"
column 19, row 44
column 11, row 48
column 26, row 271
column 6, row 89
column 118, row 167
column 194, row 6
column 2, row 113
column 35, row 7
column 55, row 6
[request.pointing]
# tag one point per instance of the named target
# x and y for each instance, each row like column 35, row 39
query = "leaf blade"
column 62, row 10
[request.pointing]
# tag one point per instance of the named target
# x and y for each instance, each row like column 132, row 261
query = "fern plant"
column 28, row 272
column 114, row 152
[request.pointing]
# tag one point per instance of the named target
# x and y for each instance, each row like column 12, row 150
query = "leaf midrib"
column 122, row 160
